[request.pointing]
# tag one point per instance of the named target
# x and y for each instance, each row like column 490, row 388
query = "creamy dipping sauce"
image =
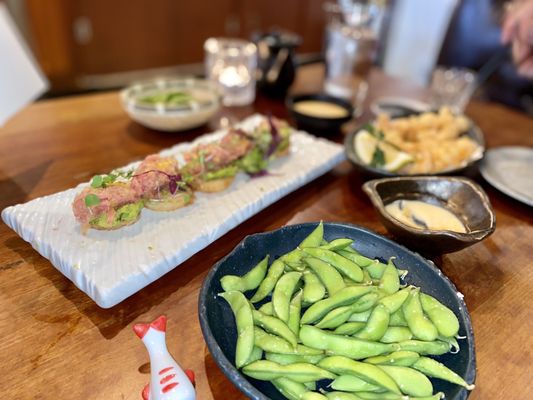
column 420, row 215
column 320, row 109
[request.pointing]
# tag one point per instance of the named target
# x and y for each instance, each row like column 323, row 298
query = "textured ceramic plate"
column 112, row 265
column 218, row 324
column 508, row 169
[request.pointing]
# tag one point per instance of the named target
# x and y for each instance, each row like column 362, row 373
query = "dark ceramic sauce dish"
column 218, row 325
column 462, row 196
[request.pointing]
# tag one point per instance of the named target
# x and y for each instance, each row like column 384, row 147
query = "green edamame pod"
column 343, row 345
column 314, row 290
column 275, row 326
column 315, row 238
column 267, row 285
column 376, row 325
column 419, row 324
column 365, row 302
column 349, row 328
column 435, row 369
column 442, row 317
column 328, row 275
column 267, row 308
column 290, row 389
column 286, row 359
column 370, row 373
column 295, row 308
column 435, row 348
column 397, row 318
column 351, row 383
column 281, row 297
column 335, row 317
column 345, row 266
column 351, row 254
column 341, row 396
column 395, row 334
column 410, row 381
column 293, row 260
column 390, row 281
column 381, row 396
column 313, row 396
column 367, row 279
column 310, row 385
column 401, row 358
column 345, row 296
column 360, row 316
column 337, row 244
column 266, row 370
column 275, row 344
column 248, row 281
column 395, row 301
column 376, row 269
column 257, row 354
column 245, row 325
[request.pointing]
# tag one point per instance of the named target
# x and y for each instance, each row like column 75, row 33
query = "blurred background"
column 89, row 45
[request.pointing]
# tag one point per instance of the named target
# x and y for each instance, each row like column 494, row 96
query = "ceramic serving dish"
column 204, row 101
column 462, row 196
column 218, row 325
column 319, row 125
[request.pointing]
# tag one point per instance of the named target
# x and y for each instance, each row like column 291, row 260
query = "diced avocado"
column 253, row 162
column 226, row 172
column 126, row 213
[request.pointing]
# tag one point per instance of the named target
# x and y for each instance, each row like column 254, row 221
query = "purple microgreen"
column 175, row 182
column 276, row 138
column 172, row 186
column 92, row 200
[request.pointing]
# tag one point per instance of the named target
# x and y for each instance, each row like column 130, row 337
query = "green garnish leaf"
column 97, row 181
column 368, row 127
column 92, row 200
column 378, row 158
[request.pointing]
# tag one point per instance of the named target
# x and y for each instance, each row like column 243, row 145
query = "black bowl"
column 218, row 325
column 320, row 126
column 474, row 132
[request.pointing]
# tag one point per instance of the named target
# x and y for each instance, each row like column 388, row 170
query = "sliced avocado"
column 253, row 162
column 126, row 213
column 226, row 172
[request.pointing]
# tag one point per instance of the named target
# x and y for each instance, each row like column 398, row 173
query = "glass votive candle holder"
column 452, row 87
column 231, row 64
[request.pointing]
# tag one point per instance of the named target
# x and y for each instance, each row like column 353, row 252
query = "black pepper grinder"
column 276, row 66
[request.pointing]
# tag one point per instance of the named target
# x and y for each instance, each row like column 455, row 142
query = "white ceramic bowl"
column 206, row 100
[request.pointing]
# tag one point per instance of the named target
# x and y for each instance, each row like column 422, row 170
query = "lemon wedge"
column 366, row 144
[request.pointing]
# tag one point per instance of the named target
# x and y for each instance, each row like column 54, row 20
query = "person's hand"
column 518, row 30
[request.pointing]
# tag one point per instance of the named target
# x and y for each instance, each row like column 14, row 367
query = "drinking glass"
column 231, row 64
column 452, row 87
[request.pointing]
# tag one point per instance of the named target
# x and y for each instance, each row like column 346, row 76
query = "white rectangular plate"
column 112, row 265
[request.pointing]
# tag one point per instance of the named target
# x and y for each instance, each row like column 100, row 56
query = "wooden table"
column 58, row 344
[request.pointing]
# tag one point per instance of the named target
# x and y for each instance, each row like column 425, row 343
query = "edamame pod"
column 267, row 308
column 267, row 285
column 381, row 396
column 248, row 281
column 376, row 269
column 313, row 396
column 282, row 294
column 328, row 275
column 293, row 260
column 442, row 317
column 245, row 325
column 376, row 325
column 395, row 334
column 335, row 317
column 435, row 348
column 419, row 324
column 275, row 326
column 360, row 316
column 397, row 318
column 295, row 308
column 395, row 301
column 285, row 359
column 351, row 383
column 314, row 290
column 368, row 372
column 349, row 328
column 290, row 389
column 341, row 396
column 351, row 254
column 343, row 297
column 257, row 354
column 266, row 370
column 342, row 264
column 275, row 344
column 315, row 238
column 410, row 381
column 337, row 244
column 435, row 369
column 402, row 358
column 343, row 345
column 390, row 281
column 365, row 302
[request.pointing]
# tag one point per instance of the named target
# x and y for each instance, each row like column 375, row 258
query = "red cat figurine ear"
column 168, row 381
